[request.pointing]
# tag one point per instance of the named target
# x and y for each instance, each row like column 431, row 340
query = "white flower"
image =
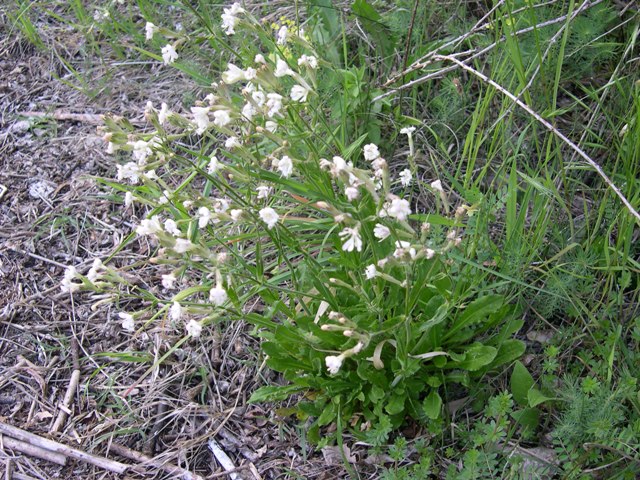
column 408, row 130
column 274, row 103
column 233, row 74
column 166, row 195
column 150, row 175
column 168, row 281
column 235, row 214
column 149, row 30
column 221, row 118
column 269, row 216
column 371, row 152
column 352, row 193
column 175, row 312
column 163, row 114
column 194, row 328
column 405, row 177
column 381, row 232
column 429, row 253
column 183, row 245
column 210, row 97
column 141, row 150
column 379, row 165
column 398, row 208
column 437, row 186
column 299, row 93
column 218, row 295
column 201, row 117
column 249, row 111
column 67, row 285
column 351, row 238
column 283, row 34
column 336, row 166
column 285, row 166
column 259, row 97
column 271, row 126
column 333, row 363
column 128, row 200
column 220, row 205
column 308, row 61
column 129, row 171
column 169, row 54
column 214, row 165
column 171, row 226
column 231, row 143
column 127, row 322
column 204, row 216
column 370, row 272
column 250, row 74
column 230, row 19
column 96, row 269
column 149, row 226
column 259, row 58
column 263, row 191
column 282, row 69
column 100, row 15
column 403, row 249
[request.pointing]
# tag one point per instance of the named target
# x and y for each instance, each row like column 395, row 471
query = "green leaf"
column 509, row 351
column 529, row 418
column 439, row 316
column 536, row 397
column 395, row 404
column 274, row 393
column 477, row 356
column 372, row 22
column 328, row 414
column 521, row 383
column 432, row 405
column 475, row 312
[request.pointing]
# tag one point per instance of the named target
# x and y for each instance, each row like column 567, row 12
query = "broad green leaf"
column 328, row 414
column 432, row 405
column 476, row 311
column 536, row 397
column 509, row 351
column 527, row 417
column 477, row 356
column 521, row 383
column 395, row 404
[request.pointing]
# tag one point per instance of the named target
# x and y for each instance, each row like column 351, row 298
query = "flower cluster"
column 263, row 131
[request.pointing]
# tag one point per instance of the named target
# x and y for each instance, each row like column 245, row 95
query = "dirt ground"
column 52, row 214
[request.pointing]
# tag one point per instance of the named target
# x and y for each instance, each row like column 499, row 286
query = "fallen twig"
column 142, row 458
column 222, row 458
column 90, row 118
column 32, row 450
column 66, row 402
column 53, row 446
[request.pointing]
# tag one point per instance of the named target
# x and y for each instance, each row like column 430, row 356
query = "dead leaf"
column 332, row 455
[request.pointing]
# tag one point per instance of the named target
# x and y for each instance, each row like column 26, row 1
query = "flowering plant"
column 260, row 196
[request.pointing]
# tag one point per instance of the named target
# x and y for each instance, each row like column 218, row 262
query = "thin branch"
column 32, row 450
column 433, row 56
column 57, row 447
column 549, row 127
